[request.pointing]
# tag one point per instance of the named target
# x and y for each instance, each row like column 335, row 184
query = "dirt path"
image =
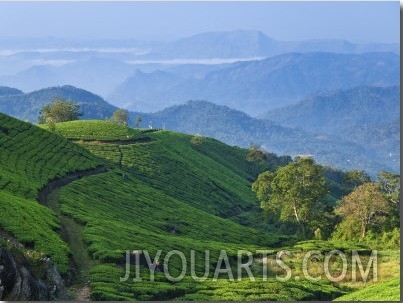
column 71, row 231
column 83, row 294
column 59, row 182
column 119, row 142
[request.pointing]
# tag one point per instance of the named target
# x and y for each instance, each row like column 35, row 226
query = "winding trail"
column 71, row 231
column 59, row 182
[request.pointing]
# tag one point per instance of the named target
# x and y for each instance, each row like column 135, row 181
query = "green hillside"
column 360, row 150
column 29, row 158
column 157, row 191
column 384, row 291
column 26, row 106
column 166, row 193
column 88, row 130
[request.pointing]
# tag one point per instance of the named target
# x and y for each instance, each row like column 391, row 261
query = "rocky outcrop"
column 17, row 282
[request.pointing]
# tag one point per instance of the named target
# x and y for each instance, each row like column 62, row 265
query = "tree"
column 256, row 155
column 196, row 139
column 257, row 159
column 390, row 185
column 366, row 206
column 59, row 110
column 260, row 160
column 138, row 121
column 354, row 178
column 294, row 191
column 121, row 116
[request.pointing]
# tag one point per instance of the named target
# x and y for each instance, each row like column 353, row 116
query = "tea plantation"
column 29, row 158
column 160, row 191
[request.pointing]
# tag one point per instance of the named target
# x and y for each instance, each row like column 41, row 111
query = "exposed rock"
column 18, row 283
column 54, row 281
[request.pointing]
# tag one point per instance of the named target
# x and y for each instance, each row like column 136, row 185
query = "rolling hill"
column 26, row 106
column 30, row 158
column 372, row 146
column 157, row 190
column 237, row 128
column 161, row 193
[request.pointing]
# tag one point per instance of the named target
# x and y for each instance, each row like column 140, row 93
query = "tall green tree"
column 293, row 191
column 121, row 116
column 59, row 110
column 362, row 209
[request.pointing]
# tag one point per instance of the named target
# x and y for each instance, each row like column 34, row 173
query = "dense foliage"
column 121, row 116
column 59, row 110
column 364, row 207
column 293, row 192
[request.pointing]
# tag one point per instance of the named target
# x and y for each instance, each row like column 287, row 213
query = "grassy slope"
column 177, row 192
column 29, row 158
column 383, row 291
column 387, row 286
column 163, row 194
column 95, row 130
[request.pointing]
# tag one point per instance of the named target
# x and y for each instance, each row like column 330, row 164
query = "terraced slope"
column 161, row 192
column 164, row 192
column 29, row 158
column 88, row 130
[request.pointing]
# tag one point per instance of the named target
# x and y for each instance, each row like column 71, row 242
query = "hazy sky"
column 354, row 21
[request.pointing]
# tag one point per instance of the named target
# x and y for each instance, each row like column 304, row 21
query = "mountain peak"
column 222, row 44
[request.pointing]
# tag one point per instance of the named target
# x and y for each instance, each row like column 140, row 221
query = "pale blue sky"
column 354, row 21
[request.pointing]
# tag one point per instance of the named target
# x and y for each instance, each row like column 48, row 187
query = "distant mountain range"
column 109, row 68
column 253, row 43
column 359, row 130
column 348, row 117
column 369, row 116
column 96, row 74
column 338, row 112
column 257, row 86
